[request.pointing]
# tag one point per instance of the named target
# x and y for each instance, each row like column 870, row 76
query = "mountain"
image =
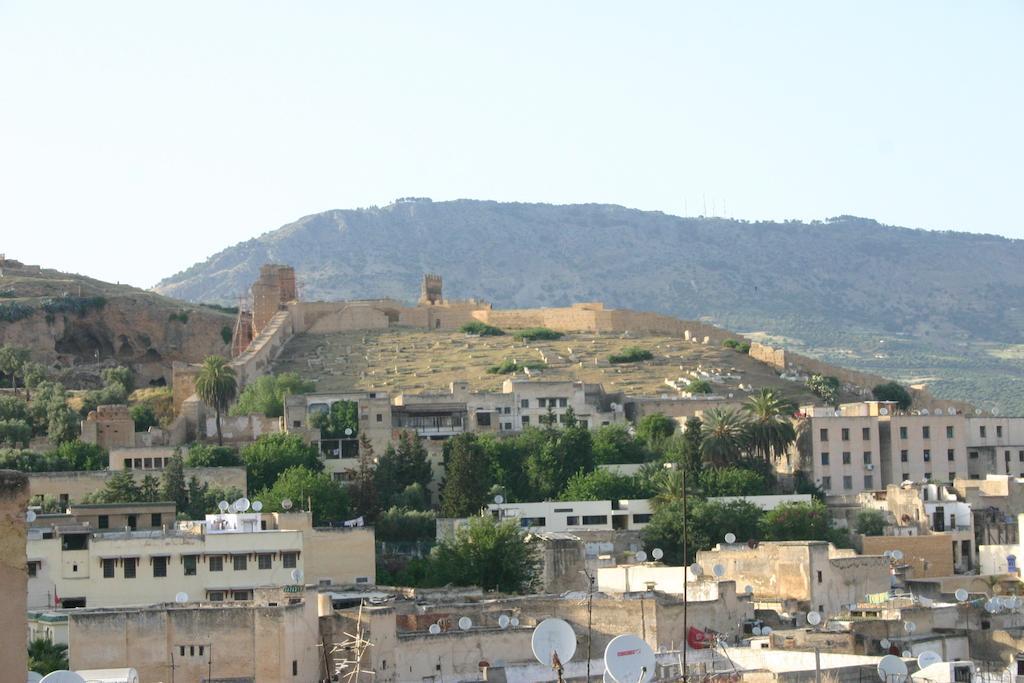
column 942, row 308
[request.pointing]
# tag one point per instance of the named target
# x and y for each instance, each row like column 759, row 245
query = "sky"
column 139, row 138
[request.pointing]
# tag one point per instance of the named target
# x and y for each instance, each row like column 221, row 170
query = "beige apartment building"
column 845, row 454
column 995, row 446
column 72, row 487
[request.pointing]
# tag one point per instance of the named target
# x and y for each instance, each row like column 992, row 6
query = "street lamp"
column 686, row 582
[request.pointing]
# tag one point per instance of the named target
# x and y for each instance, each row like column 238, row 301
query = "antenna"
column 641, row 556
column 514, row 621
column 657, row 553
column 223, row 506
column 257, row 506
column 885, row 643
column 892, row 669
column 242, row 504
column 696, row 569
column 927, row 658
column 813, row 618
column 465, row 623
column 296, row 575
column 909, row 627
column 719, row 570
column 553, row 643
column 730, row 538
column 434, row 629
column 286, row 504
column 503, row 621
column 30, row 516
column 629, row 659
column 181, row 597
column 62, row 676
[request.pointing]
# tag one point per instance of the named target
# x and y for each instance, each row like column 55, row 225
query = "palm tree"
column 45, row 657
column 216, row 386
column 668, row 487
column 770, row 429
column 724, row 436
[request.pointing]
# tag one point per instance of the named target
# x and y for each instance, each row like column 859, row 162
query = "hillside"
column 941, row 308
column 80, row 325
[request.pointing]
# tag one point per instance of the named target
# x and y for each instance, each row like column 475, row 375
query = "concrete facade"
column 71, row 487
column 573, row 516
column 14, row 493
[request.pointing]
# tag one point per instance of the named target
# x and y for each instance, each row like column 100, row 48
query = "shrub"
column 699, row 386
column 73, row 304
column 893, row 391
column 870, row 523
column 13, row 312
column 631, row 354
column 538, row 334
column 180, row 316
column 226, row 334
column 509, row 366
column 481, row 329
column 737, row 345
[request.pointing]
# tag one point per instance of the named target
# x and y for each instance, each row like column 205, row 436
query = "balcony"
column 431, row 425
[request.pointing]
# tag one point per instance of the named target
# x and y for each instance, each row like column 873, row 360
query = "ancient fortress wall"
column 264, row 348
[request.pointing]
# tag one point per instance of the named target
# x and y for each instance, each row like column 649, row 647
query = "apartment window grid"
column 926, row 432
column 927, row 455
column 845, row 433
column 823, row 435
column 847, row 482
column 999, row 431
column 239, row 562
column 263, row 561
column 288, row 560
column 846, row 457
column 949, row 431
column 903, row 432
column 867, row 457
column 869, row 481
column 865, row 433
column 159, row 567
column 216, row 563
column 950, row 454
column 824, row 458
column 904, row 456
column 826, row 483
column 130, row 565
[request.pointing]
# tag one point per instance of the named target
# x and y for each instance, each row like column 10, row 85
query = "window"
column 973, row 455
column 483, row 419
column 241, row 595
column 508, row 426
column 845, row 433
column 130, row 564
column 380, row 417
column 867, row 457
column 215, row 596
column 865, row 433
column 526, row 420
column 524, row 403
column 826, row 483
column 906, row 476
column 847, row 482
column 297, row 423
column 949, row 431
column 33, row 568
column 147, row 463
column 572, row 520
column 981, row 431
column 903, row 432
column 926, row 432
column 595, row 519
column 846, row 457
column 823, row 434
column 999, row 431
column 155, row 520
column 869, row 481
column 288, row 560
column 927, row 476
column 132, row 522
column 159, row 567
column 563, row 402
column 950, row 454
column 74, row 541
column 824, row 458
column 526, row 522
column 263, row 561
column 543, row 402
column 904, row 455
column 128, row 463
column 819, row 576
column 1020, row 455
column 641, row 518
column 103, row 522
column 189, row 561
column 239, row 562
column 927, row 455
column 295, row 667
column 108, row 568
column 216, row 563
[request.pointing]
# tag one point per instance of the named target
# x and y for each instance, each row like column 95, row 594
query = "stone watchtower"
column 275, row 287
column 430, row 290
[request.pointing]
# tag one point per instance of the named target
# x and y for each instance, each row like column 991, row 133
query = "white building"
column 580, row 515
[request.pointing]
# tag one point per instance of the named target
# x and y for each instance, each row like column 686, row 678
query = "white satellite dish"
column 553, row 636
column 657, row 553
column 924, row 411
column 766, row 630
column 641, row 556
column 961, row 594
column 223, row 506
column 892, row 669
column 813, row 618
column 499, row 499
column 907, row 654
column 951, row 411
column 696, row 569
column 465, row 623
column 897, row 555
column 286, row 504
column 884, row 643
column 242, row 504
column 434, row 629
column 514, row 621
column 30, row 516
column 629, row 659
column 34, row 677
column 909, row 627
column 62, row 676
column 719, row 570
column 748, row 589
column 503, row 621
column 756, row 630
column 607, row 677
column 883, row 411
column 348, row 431
column 181, row 597
column 257, row 506
column 927, row 658
column 991, row 607
column 296, row 575
column 730, row 537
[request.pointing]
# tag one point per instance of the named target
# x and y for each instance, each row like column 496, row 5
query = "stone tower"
column 275, row 287
column 430, row 290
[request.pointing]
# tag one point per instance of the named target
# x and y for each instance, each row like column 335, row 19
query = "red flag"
column 56, row 598
column 698, row 639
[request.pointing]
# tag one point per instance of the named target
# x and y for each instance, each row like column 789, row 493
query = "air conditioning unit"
column 869, row 467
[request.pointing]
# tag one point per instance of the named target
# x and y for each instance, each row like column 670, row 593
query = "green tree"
column 654, row 429
column 216, row 386
column 770, row 430
column 33, row 374
column 487, row 553
column 149, row 490
column 507, row 457
column 402, row 466
column 78, row 455
column 363, row 491
column 613, row 444
column 602, row 484
column 340, row 422
column 467, row 478
column 699, row 386
column 266, row 395
column 304, row 487
column 723, row 436
column 824, row 387
column 12, row 362
column 45, row 656
column 710, row 521
column 798, row 522
column 144, row 417
column 665, row 531
column 120, row 488
column 688, row 454
column 119, row 375
column 62, row 424
column 564, row 453
column 733, row 481
column 205, row 455
column 271, row 454
column 630, row 354
column 398, row 525
column 15, row 432
column 893, row 391
column 870, row 522
column 172, row 482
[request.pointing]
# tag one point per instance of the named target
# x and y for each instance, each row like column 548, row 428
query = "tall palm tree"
column 724, row 436
column 217, row 386
column 668, row 488
column 770, row 429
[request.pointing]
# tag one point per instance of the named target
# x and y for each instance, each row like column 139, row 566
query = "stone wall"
column 928, row 556
column 77, row 485
column 242, row 428
column 14, row 493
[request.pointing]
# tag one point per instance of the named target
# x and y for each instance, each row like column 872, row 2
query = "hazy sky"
column 139, row 137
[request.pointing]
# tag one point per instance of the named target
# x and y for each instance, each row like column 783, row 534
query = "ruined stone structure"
column 109, row 427
column 430, row 290
column 274, row 288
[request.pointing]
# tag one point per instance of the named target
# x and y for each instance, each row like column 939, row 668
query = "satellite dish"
column 813, row 618
column 181, row 597
column 961, row 594
column 927, row 658
column 909, row 627
column 223, row 506
column 892, row 669
column 897, row 555
column 657, row 553
column 887, row 554
column 748, row 589
column 628, row 658
column 730, row 537
column 465, row 623
column 499, row 499
column 30, row 516
column 884, row 643
column 503, row 621
column 991, row 607
column 924, row 411
column 641, row 556
column 696, row 569
column 766, row 630
column 34, row 677
column 907, row 654
column 348, row 431
column 286, row 504
column 607, row 678
column 296, row 575
column 550, row 637
column 951, row 411
column 242, row 504
column 756, row 630
column 883, row 411
column 62, row 676
column 514, row 621
column 719, row 570
column 257, row 506
column 434, row 629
